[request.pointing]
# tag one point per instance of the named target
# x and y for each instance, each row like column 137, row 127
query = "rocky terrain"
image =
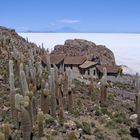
column 78, row 47
column 38, row 103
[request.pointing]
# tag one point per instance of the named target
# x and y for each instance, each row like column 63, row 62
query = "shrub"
column 98, row 133
column 122, row 131
column 86, row 128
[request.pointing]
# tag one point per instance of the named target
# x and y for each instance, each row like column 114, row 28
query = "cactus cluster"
column 37, row 87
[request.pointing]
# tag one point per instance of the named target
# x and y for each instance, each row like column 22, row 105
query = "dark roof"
column 88, row 64
column 77, row 60
column 56, row 59
column 109, row 68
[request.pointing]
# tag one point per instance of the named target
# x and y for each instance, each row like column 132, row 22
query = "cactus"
column 45, row 100
column 137, row 82
column 31, row 56
column 25, row 119
column 12, row 93
column 34, row 106
column 59, row 91
column 90, row 87
column 23, row 81
column 11, row 67
column 6, row 130
column 40, row 121
column 104, row 87
column 15, row 54
column 70, row 99
column 30, row 106
column 2, row 137
column 137, row 85
column 52, row 91
column 18, row 99
column 48, row 63
column 39, row 73
column 61, row 113
column 27, row 73
column 138, row 107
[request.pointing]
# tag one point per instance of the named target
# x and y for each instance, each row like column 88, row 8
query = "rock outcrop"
column 80, row 47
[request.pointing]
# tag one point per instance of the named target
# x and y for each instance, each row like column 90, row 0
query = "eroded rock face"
column 80, row 47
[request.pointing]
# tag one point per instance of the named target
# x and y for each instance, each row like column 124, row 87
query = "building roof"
column 109, row 68
column 56, row 59
column 77, row 60
column 87, row 64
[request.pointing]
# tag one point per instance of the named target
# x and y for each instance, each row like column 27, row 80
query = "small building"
column 74, row 62
column 88, row 68
column 112, row 70
column 58, row 60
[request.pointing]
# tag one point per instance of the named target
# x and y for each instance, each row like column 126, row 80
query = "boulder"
column 80, row 47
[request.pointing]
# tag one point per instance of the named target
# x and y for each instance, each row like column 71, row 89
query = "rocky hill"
column 9, row 41
column 79, row 47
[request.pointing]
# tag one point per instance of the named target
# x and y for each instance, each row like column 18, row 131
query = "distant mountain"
column 73, row 30
column 60, row 30
column 67, row 30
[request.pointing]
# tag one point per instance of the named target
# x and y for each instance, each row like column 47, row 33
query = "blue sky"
column 81, row 15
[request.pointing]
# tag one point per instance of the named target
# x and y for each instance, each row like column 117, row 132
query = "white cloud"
column 69, row 21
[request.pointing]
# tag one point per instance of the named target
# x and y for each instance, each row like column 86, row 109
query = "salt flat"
column 126, row 47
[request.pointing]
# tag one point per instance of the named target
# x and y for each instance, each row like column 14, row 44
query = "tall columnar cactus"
column 48, row 63
column 2, row 137
column 12, row 92
column 6, row 130
column 18, row 99
column 16, row 54
column 52, row 91
column 31, row 56
column 39, row 73
column 24, row 84
column 90, row 87
column 61, row 113
column 138, row 107
column 25, row 120
column 34, row 106
column 137, row 84
column 60, row 91
column 40, row 122
column 104, row 87
column 70, row 99
column 45, row 99
column 27, row 73
column 30, row 106
column 11, row 66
